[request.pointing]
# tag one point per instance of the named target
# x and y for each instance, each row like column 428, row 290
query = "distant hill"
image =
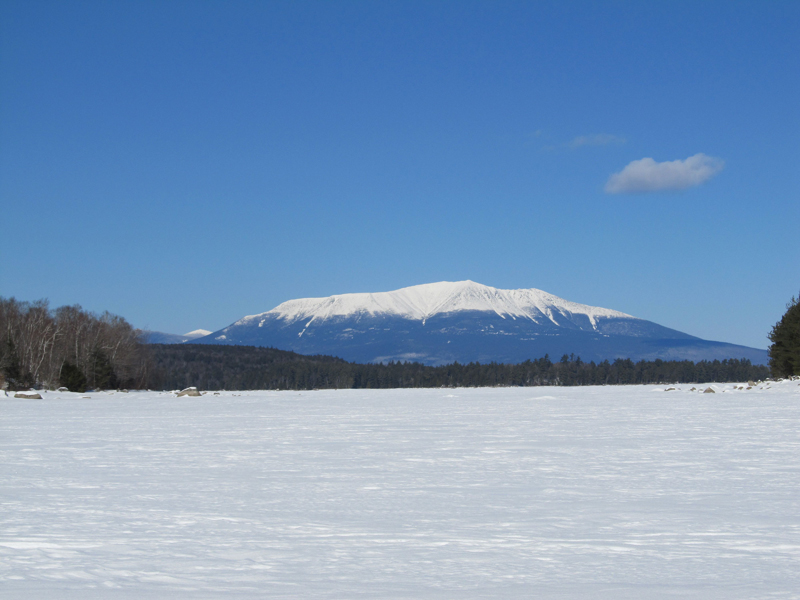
column 441, row 323
column 159, row 337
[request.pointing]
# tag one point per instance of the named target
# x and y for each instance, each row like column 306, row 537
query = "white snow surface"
column 420, row 302
column 197, row 333
column 597, row 492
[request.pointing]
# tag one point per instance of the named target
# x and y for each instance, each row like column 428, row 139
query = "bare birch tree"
column 36, row 343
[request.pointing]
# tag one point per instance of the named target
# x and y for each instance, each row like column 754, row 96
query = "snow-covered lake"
column 603, row 492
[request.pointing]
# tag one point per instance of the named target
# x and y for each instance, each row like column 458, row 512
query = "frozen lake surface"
column 598, row 492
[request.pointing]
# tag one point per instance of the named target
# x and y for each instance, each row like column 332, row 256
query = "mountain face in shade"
column 464, row 321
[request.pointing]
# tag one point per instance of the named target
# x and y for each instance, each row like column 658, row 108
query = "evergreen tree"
column 784, row 353
column 10, row 366
column 101, row 372
column 72, row 378
column 16, row 377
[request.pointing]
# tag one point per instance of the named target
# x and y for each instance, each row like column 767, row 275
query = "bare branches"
column 36, row 343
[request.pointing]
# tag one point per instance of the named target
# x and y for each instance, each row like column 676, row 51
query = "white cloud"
column 599, row 139
column 647, row 175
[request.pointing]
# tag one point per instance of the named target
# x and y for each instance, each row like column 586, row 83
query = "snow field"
column 601, row 492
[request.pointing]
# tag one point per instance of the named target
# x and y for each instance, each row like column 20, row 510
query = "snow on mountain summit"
column 197, row 333
column 420, row 302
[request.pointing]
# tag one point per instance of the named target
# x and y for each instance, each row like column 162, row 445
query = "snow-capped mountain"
column 159, row 337
column 197, row 333
column 464, row 321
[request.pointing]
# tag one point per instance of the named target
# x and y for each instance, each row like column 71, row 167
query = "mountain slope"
column 465, row 321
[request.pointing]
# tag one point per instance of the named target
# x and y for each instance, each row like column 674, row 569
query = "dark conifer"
column 15, row 376
column 72, row 378
column 101, row 371
column 784, row 353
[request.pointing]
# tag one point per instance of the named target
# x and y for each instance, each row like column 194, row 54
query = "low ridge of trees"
column 68, row 346
column 784, row 353
column 247, row 368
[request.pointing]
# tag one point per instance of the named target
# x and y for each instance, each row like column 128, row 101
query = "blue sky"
column 184, row 164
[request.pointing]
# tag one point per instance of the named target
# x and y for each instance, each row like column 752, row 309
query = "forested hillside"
column 247, row 367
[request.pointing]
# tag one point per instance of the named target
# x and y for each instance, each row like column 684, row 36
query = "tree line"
column 71, row 347
column 68, row 346
column 248, row 368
